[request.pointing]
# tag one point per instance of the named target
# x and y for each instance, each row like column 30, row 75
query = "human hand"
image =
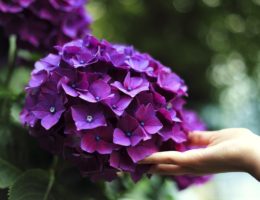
column 228, row 150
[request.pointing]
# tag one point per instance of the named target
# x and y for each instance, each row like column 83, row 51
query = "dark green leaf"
column 32, row 185
column 8, row 174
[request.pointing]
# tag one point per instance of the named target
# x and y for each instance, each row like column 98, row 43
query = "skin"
column 228, row 150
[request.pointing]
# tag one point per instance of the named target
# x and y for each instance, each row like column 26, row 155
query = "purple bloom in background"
column 14, row 6
column 30, row 20
column 105, row 107
column 67, row 5
column 191, row 121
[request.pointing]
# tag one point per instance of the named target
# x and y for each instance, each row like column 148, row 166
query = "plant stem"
column 52, row 177
column 12, row 55
column 50, row 184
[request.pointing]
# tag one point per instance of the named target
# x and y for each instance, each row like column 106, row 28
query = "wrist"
column 256, row 158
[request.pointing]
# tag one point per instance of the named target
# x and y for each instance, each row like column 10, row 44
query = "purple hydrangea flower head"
column 30, row 20
column 107, row 107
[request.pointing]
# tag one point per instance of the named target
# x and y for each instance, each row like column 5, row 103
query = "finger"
column 165, row 157
column 168, row 169
column 201, row 138
column 186, row 158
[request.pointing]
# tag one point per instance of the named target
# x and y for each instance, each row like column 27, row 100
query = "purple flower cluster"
column 41, row 24
column 105, row 107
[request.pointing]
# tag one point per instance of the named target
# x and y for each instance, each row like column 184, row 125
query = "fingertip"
column 195, row 132
column 141, row 162
column 198, row 138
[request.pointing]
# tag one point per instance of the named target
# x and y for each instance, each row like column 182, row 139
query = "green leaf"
column 34, row 184
column 8, row 174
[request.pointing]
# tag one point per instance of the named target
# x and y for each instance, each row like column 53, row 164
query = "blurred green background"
column 213, row 44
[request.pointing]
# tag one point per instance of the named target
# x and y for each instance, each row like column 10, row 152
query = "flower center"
column 142, row 123
column 52, row 109
column 128, row 134
column 169, row 106
column 129, row 88
column 97, row 138
column 89, row 118
column 97, row 98
column 114, row 106
column 73, row 85
column 81, row 61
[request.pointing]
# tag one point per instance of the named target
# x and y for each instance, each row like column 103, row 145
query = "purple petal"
column 138, row 64
column 166, row 133
column 132, row 85
column 142, row 150
column 127, row 80
column 145, row 112
column 152, row 125
column 87, row 97
column 137, row 136
column 171, row 82
column 128, row 123
column 120, row 160
column 178, row 135
column 100, row 89
column 38, row 79
column 69, row 90
column 49, row 63
column 50, row 120
column 105, row 147
column 118, row 103
column 136, row 82
column 88, row 117
column 120, row 138
column 88, row 143
column 40, row 114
